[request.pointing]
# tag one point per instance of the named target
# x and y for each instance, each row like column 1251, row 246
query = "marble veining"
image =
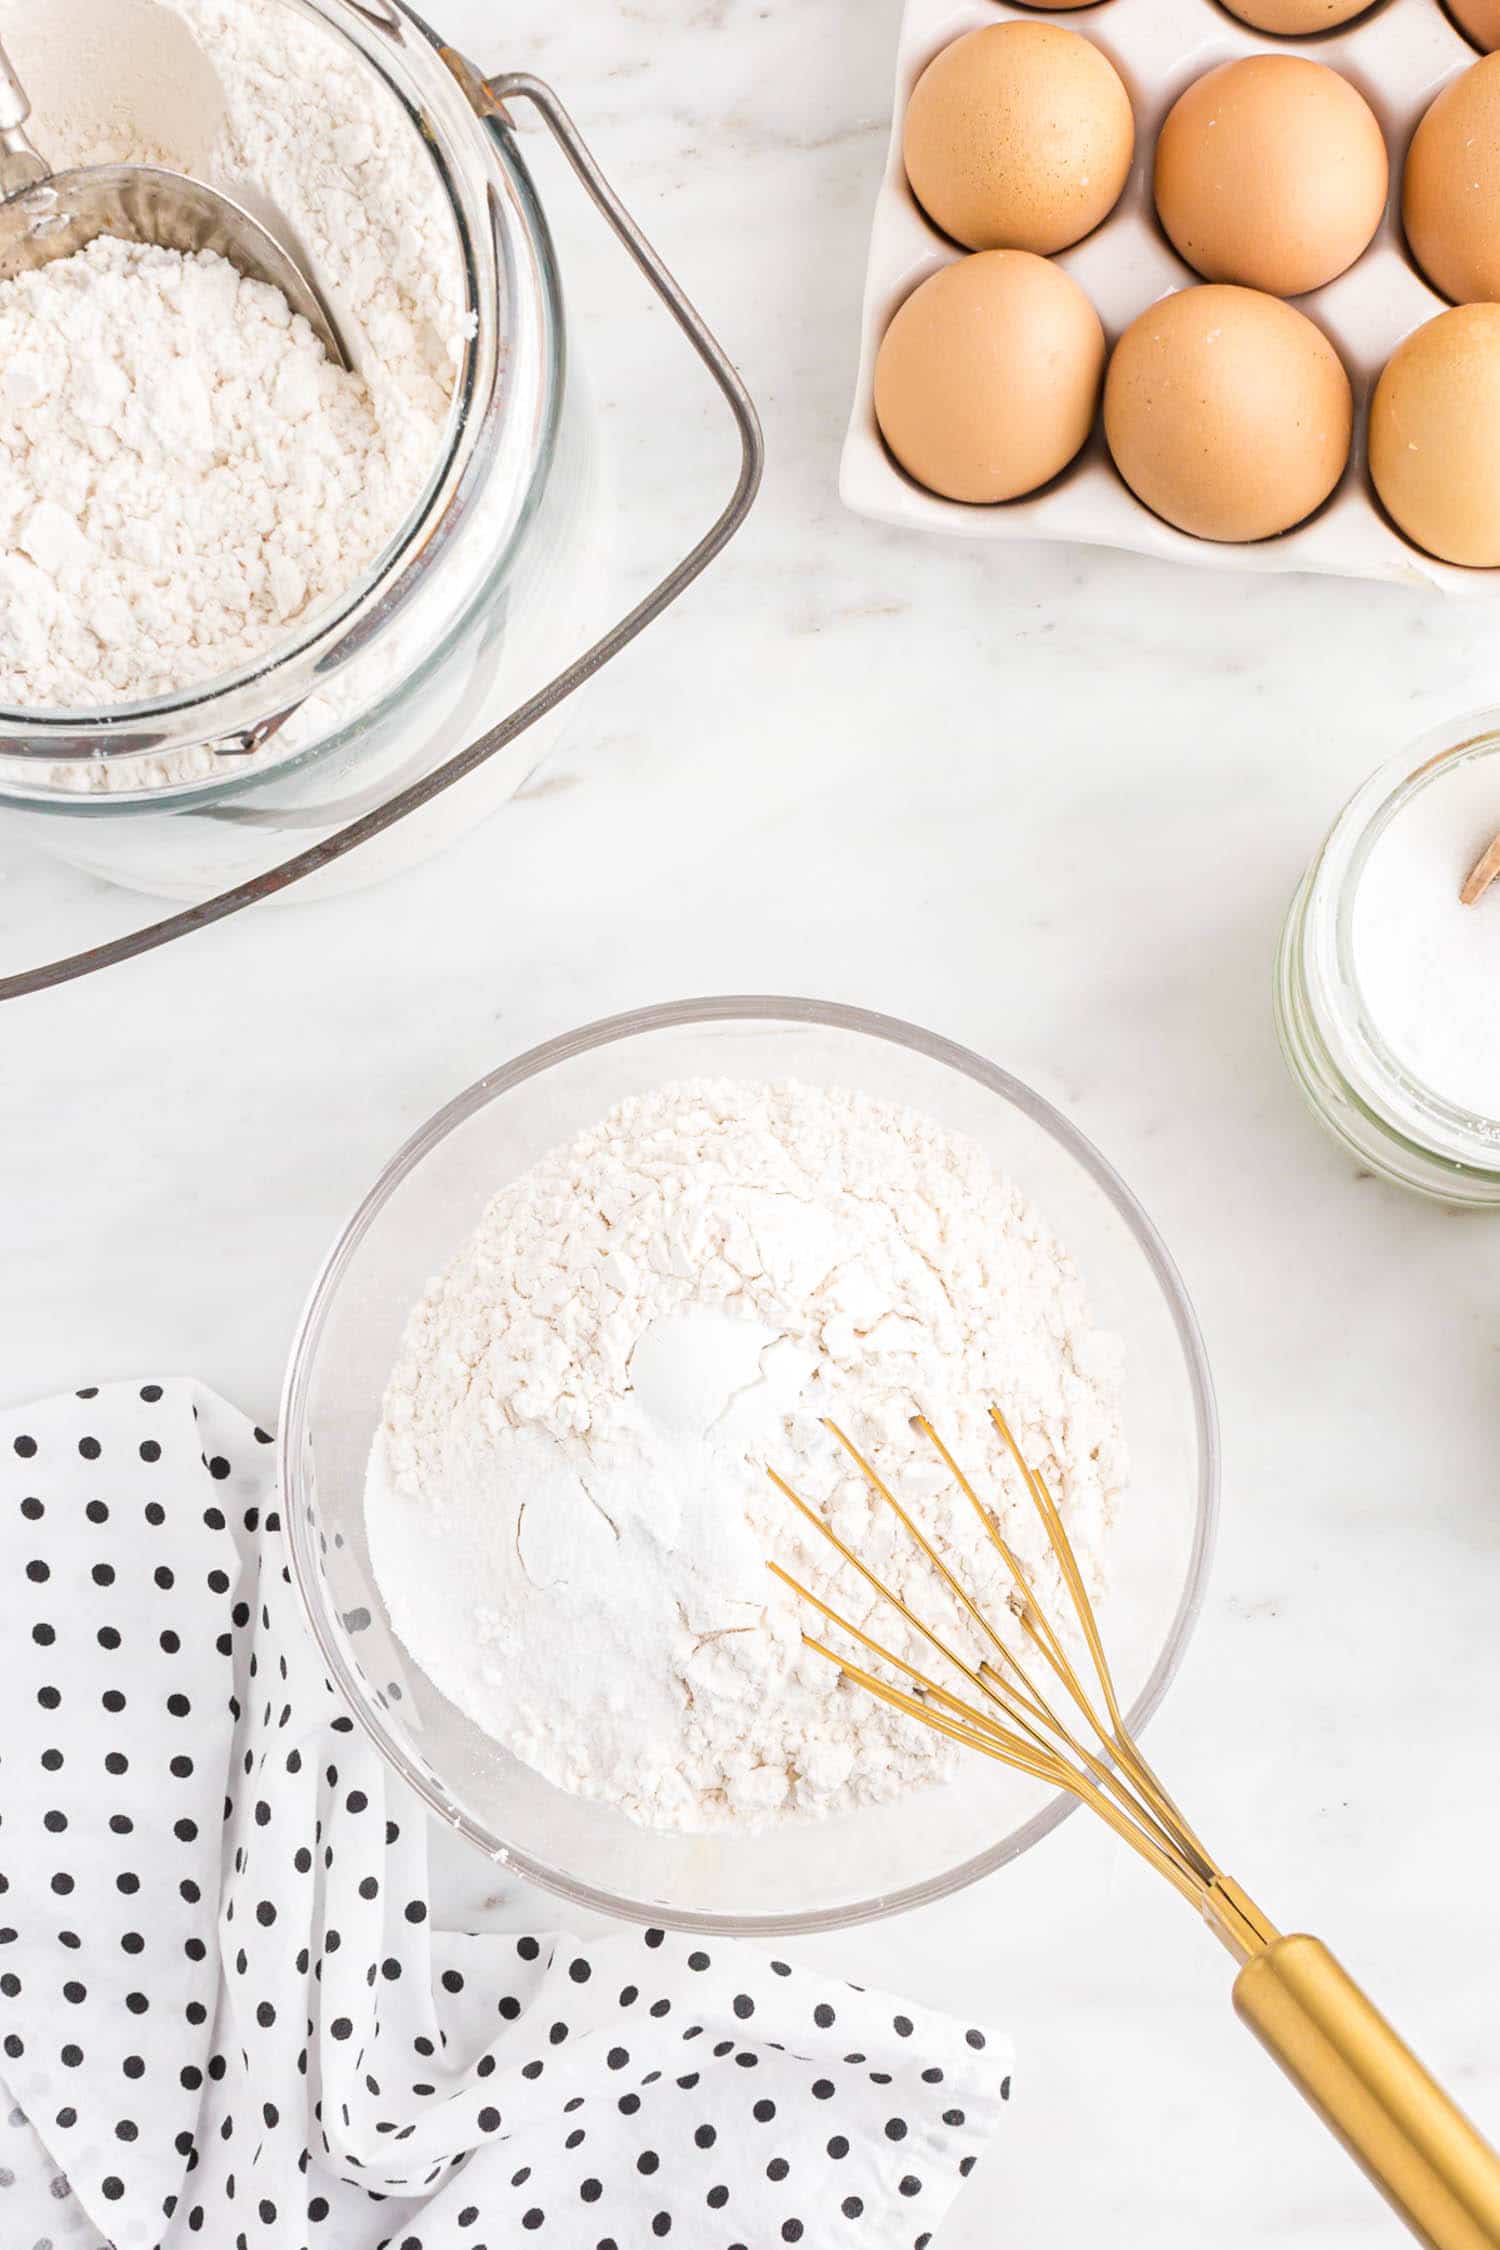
column 1053, row 803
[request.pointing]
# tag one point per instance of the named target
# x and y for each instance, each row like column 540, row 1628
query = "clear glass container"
column 799, row 1875
column 473, row 602
column 1359, row 1088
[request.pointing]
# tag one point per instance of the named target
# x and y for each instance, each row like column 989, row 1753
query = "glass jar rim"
column 1424, row 1123
column 512, row 308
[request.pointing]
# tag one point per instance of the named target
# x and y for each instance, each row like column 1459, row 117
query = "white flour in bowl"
column 568, row 1511
column 178, row 487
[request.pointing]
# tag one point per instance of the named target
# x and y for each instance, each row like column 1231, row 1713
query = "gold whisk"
column 1370, row 2090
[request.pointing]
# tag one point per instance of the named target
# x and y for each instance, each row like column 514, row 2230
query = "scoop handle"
column 15, row 108
column 1368, row 2087
column 21, row 166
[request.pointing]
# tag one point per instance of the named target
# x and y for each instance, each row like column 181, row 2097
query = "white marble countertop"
column 1050, row 802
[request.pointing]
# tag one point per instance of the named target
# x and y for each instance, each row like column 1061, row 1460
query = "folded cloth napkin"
column 226, row 2015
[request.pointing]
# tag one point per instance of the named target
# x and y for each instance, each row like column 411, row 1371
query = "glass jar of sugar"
column 1388, row 984
column 397, row 174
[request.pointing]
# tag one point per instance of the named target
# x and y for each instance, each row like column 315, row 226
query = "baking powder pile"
column 183, row 477
column 568, row 1509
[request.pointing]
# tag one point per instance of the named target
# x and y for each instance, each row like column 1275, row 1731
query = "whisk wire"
column 1038, row 1742
column 1394, row 2118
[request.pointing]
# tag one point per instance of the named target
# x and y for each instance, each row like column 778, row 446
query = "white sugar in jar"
column 1388, row 986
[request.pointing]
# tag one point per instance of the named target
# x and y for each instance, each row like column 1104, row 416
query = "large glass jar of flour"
column 473, row 605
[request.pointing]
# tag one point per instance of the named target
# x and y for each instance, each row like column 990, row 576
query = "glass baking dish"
column 458, row 640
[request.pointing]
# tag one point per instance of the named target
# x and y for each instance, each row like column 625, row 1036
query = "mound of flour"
column 567, row 1506
column 183, row 479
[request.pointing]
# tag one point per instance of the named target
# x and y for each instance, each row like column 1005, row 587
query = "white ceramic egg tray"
column 1398, row 56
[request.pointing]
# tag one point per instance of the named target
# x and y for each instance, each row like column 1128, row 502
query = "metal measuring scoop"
column 46, row 215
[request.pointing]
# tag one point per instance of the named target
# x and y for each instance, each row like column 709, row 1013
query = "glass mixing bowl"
column 798, row 1876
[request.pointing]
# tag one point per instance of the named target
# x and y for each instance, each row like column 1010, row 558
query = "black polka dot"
column 791, row 2229
column 112, row 2187
column 488, row 2121
column 852, row 2206
column 26, row 1447
column 838, row 2148
column 895, row 2128
column 705, row 2136
column 764, row 2112
column 910, row 2184
column 591, row 2190
column 974, row 2038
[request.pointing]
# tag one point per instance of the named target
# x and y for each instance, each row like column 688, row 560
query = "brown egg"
column 988, row 377
column 1294, row 19
column 1227, row 412
column 1479, row 20
column 1018, row 137
column 1450, row 202
column 1271, row 171
column 1435, row 436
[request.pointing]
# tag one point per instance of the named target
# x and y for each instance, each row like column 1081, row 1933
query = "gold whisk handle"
column 1370, row 2090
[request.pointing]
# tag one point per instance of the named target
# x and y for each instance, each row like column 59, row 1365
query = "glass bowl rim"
column 680, row 1015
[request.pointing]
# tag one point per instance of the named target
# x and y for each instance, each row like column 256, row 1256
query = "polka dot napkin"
column 225, row 2013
